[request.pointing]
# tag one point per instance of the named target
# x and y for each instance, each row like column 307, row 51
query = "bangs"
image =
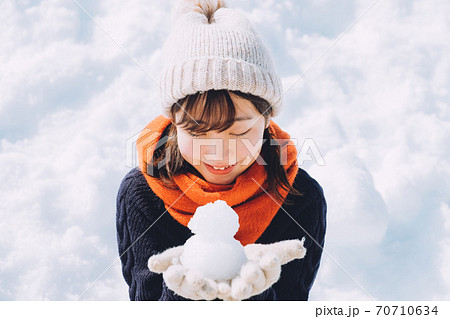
column 201, row 112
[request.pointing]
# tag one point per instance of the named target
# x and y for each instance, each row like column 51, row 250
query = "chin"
column 219, row 180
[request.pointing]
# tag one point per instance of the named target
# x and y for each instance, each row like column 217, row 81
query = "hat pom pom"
column 205, row 7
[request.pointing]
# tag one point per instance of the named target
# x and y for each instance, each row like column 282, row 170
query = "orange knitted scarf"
column 254, row 206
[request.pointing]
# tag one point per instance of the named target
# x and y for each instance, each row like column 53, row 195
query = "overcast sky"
column 374, row 100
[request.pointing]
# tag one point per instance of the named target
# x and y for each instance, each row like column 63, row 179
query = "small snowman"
column 212, row 251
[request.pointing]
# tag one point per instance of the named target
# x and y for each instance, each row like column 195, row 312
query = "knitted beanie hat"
column 214, row 47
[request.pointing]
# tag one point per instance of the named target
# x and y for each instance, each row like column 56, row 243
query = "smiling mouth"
column 220, row 169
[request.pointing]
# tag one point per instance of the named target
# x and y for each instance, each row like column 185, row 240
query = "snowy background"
column 376, row 104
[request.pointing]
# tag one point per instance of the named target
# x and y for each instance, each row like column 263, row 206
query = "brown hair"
column 216, row 113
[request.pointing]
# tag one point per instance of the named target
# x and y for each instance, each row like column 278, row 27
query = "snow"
column 212, row 251
column 376, row 105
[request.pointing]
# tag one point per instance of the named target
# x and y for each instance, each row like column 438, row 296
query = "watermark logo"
column 309, row 151
column 142, row 139
column 131, row 154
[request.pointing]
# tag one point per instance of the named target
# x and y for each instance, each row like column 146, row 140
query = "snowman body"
column 212, row 251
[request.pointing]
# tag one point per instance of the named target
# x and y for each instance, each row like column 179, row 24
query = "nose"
column 219, row 150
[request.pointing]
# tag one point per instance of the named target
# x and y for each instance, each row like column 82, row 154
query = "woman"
column 216, row 140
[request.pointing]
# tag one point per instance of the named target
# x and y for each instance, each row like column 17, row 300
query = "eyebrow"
column 237, row 119
column 244, row 118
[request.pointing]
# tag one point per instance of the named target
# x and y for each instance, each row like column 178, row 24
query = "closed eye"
column 241, row 134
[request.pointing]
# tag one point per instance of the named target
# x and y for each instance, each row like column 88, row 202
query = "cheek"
column 185, row 146
column 250, row 146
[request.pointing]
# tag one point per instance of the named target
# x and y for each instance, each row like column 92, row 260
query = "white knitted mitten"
column 262, row 270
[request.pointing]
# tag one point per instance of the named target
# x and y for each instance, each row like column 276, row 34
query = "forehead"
column 244, row 109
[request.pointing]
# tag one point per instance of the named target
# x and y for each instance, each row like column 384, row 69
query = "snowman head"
column 215, row 220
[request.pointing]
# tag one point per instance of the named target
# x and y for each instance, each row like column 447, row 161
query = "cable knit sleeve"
column 134, row 246
column 305, row 218
column 315, row 239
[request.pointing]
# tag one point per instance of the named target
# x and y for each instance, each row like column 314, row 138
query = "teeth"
column 221, row 168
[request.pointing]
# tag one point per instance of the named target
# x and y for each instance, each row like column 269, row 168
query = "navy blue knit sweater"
column 144, row 228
